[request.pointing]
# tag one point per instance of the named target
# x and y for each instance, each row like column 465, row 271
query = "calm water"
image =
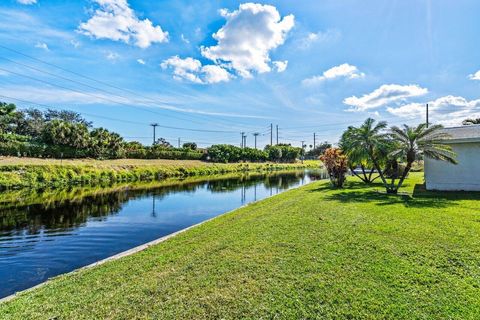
column 43, row 235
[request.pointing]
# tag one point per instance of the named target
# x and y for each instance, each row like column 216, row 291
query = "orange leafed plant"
column 337, row 165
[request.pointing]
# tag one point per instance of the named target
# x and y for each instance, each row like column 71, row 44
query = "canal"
column 44, row 234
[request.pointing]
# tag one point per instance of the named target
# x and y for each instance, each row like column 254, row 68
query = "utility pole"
column 256, row 135
column 277, row 134
column 427, row 116
column 314, row 141
column 303, row 150
column 154, row 125
column 271, row 133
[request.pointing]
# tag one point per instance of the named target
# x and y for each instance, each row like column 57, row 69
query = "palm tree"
column 357, row 156
column 415, row 142
column 468, row 122
column 367, row 140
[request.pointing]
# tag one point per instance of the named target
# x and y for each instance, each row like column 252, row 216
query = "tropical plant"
column 415, row 143
column 357, row 156
column 468, row 122
column 336, row 164
column 370, row 141
column 105, row 144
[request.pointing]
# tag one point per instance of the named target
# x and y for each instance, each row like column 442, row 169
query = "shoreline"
column 33, row 174
column 136, row 249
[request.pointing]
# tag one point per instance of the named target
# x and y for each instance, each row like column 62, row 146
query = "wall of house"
column 465, row 176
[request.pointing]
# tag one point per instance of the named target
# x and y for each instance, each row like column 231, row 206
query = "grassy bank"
column 312, row 252
column 41, row 173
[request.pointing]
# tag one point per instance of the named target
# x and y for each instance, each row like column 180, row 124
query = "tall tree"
column 163, row 143
column 7, row 113
column 105, row 144
column 417, row 142
column 67, row 116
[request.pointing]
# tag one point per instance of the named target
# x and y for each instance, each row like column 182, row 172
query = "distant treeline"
column 66, row 134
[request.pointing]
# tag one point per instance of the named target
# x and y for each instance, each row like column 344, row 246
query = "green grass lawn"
column 312, row 252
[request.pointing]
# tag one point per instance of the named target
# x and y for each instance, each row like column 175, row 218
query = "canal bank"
column 61, row 231
column 312, row 252
column 16, row 173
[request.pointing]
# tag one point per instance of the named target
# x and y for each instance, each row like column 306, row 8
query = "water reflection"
column 45, row 233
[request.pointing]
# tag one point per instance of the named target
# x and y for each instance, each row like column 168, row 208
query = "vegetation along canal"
column 55, row 232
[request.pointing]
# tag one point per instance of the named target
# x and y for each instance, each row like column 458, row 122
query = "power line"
column 126, row 121
column 100, row 82
column 90, row 94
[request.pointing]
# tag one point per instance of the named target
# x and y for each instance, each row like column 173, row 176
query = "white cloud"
column 387, row 93
column 113, row 56
column 249, row 34
column 319, row 37
column 475, row 76
column 192, row 70
column 115, row 20
column 42, row 45
column 448, row 110
column 31, row 27
column 345, row 70
column 280, row 66
column 75, row 43
column 27, row 1
column 141, row 61
column 184, row 39
column 215, row 74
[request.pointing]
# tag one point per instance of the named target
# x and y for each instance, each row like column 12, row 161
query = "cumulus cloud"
column 249, row 34
column 448, row 110
column 192, row 70
column 345, row 71
column 42, row 45
column 115, row 20
column 27, row 1
column 475, row 76
column 141, row 61
column 387, row 93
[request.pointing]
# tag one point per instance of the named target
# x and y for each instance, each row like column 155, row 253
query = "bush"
column 336, row 163
column 283, row 153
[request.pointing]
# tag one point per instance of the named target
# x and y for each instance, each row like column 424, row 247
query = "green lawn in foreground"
column 312, row 252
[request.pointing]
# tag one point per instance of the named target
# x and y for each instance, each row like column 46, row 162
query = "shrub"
column 336, row 163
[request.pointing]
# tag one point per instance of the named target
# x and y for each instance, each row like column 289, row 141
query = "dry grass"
column 4, row 161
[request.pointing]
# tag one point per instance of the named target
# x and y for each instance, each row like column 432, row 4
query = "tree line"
column 66, row 134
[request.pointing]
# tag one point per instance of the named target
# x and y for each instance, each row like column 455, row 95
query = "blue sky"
column 228, row 66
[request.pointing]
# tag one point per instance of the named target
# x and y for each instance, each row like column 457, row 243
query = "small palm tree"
column 366, row 142
column 415, row 142
column 468, row 122
column 357, row 155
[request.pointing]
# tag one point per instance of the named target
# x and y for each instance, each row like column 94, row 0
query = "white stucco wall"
column 465, row 176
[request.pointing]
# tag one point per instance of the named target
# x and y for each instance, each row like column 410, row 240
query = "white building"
column 464, row 176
